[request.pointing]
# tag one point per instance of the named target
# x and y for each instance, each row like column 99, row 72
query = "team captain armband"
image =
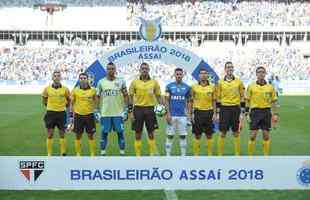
column 130, row 108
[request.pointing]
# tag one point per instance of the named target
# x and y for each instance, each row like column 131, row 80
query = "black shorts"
column 229, row 118
column 144, row 114
column 55, row 118
column 203, row 122
column 260, row 119
column 84, row 122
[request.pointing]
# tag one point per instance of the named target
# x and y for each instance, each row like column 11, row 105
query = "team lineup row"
column 202, row 104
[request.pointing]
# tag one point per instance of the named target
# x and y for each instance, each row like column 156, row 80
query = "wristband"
column 130, row 108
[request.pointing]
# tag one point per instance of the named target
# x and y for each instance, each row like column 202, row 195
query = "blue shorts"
column 112, row 123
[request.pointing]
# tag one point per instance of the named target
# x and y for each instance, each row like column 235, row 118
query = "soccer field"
column 22, row 133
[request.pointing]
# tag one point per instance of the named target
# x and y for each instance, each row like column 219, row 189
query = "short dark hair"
column 178, row 69
column 110, row 63
column 144, row 63
column 228, row 63
column 203, row 69
column 260, row 67
column 83, row 74
column 56, row 72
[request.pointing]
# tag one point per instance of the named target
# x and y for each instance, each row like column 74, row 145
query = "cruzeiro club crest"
column 150, row 30
column 303, row 174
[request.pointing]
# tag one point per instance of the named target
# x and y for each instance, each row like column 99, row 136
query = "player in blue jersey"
column 176, row 101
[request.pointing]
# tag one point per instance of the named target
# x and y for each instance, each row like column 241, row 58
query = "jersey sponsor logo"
column 110, row 92
column 177, row 97
column 31, row 170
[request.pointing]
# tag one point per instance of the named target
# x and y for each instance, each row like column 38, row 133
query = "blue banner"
column 203, row 65
column 95, row 72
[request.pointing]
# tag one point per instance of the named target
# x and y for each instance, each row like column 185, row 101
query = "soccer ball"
column 160, row 110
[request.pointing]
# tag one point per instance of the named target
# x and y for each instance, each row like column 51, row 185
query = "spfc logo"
column 150, row 30
column 31, row 170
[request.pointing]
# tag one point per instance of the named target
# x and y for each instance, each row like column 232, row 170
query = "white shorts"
column 178, row 125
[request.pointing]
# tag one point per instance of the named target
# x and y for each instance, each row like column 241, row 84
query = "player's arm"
column 274, row 106
column 125, row 94
column 166, row 103
column 131, row 93
column 158, row 94
column 248, row 96
column 44, row 97
column 214, row 102
column 68, row 98
column 98, row 96
column 242, row 98
column 73, row 99
column 167, row 100
column 274, row 100
column 218, row 92
column 190, row 105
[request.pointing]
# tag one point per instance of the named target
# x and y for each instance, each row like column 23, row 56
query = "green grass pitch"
column 22, row 133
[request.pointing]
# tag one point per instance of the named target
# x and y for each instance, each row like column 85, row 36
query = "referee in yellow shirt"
column 204, row 105
column 83, row 104
column 56, row 97
column 261, row 97
column 143, row 93
column 230, row 96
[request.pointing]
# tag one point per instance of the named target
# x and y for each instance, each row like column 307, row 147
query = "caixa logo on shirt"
column 31, row 170
column 175, row 97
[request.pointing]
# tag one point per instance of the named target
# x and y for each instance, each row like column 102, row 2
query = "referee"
column 143, row 93
column 203, row 104
column 261, row 98
column 230, row 96
column 56, row 97
column 83, row 104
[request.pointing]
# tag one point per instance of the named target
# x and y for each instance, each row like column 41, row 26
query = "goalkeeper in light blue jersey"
column 112, row 97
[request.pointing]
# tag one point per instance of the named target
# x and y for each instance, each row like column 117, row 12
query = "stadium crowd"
column 218, row 13
column 28, row 63
column 75, row 3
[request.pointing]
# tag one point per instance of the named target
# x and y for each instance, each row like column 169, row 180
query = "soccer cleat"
column 122, row 152
column 103, row 153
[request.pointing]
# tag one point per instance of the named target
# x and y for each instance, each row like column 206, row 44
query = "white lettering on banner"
column 157, row 50
column 147, row 173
